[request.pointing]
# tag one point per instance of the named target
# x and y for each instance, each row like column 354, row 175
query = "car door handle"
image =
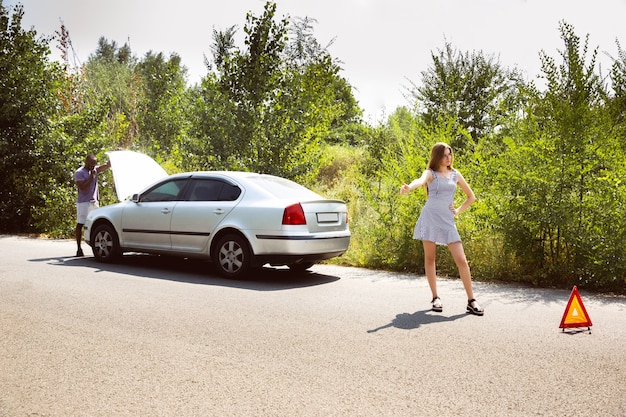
column 165, row 211
column 218, row 211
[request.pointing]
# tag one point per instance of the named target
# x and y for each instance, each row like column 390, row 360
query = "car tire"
column 105, row 244
column 232, row 256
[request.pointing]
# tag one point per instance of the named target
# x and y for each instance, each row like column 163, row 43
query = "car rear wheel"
column 232, row 256
column 105, row 245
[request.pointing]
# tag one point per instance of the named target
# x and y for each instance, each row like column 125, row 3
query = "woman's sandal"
column 474, row 309
column 437, row 306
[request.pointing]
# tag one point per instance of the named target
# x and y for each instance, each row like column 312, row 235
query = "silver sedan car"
column 238, row 220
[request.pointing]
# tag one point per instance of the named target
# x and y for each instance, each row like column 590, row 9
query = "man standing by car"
column 86, row 179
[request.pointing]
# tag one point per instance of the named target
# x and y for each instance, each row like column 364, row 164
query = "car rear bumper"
column 301, row 245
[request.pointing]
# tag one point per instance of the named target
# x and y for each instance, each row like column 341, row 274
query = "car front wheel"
column 105, row 245
column 232, row 256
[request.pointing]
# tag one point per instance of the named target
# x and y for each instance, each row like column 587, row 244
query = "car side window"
column 230, row 192
column 167, row 191
column 212, row 190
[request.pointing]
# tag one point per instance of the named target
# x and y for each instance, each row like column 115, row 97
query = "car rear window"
column 206, row 189
column 281, row 187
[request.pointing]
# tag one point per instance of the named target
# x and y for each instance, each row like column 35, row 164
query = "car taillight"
column 294, row 214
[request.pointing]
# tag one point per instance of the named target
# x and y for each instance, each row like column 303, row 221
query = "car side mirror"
column 135, row 198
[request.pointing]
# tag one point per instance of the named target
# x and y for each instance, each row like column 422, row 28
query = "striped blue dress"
column 436, row 221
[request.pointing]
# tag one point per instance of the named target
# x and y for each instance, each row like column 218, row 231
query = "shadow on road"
column 196, row 272
column 407, row 321
column 526, row 296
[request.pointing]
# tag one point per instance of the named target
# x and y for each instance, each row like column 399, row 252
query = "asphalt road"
column 161, row 337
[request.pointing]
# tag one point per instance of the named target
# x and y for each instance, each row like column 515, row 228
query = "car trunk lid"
column 325, row 215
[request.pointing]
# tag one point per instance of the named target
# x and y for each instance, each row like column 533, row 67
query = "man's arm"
column 83, row 185
column 104, row 167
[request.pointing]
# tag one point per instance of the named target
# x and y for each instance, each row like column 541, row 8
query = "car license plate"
column 327, row 217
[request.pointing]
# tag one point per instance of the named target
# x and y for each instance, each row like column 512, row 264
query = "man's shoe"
column 79, row 252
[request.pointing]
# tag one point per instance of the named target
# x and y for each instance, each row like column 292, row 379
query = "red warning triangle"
column 575, row 313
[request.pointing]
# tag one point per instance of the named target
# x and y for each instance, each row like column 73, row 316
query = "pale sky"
column 381, row 44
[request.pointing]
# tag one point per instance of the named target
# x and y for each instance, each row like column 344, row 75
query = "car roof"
column 275, row 187
column 233, row 174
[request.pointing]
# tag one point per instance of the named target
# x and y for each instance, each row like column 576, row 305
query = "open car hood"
column 133, row 171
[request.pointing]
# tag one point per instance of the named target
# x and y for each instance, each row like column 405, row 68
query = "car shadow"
column 196, row 272
column 411, row 321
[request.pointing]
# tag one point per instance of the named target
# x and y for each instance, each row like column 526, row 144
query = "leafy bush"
column 548, row 168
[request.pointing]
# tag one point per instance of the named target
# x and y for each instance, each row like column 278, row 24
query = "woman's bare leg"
column 430, row 255
column 458, row 254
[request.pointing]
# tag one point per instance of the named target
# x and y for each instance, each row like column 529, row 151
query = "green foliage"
column 251, row 80
column 548, row 167
column 549, row 180
column 617, row 102
column 384, row 222
column 268, row 107
column 163, row 103
column 561, row 183
column 209, row 145
column 471, row 88
column 112, row 84
column 27, row 103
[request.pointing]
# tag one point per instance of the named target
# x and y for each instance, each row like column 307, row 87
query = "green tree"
column 112, row 83
column 565, row 195
column 383, row 220
column 96, row 113
column 163, row 103
column 78, row 127
column 617, row 101
column 473, row 88
column 267, row 108
column 234, row 100
column 27, row 104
